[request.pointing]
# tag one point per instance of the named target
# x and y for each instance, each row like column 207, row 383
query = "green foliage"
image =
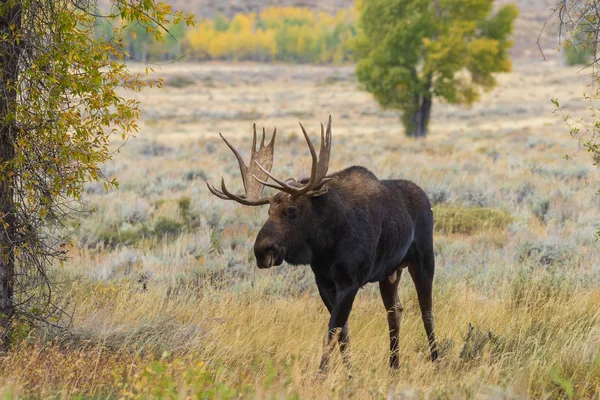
column 68, row 107
column 167, row 227
column 563, row 383
column 177, row 378
column 124, row 235
column 579, row 49
column 453, row 219
column 410, row 51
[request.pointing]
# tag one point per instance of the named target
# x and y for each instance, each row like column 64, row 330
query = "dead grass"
column 145, row 343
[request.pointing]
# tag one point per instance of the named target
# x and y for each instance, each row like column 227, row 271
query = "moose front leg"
column 327, row 292
column 340, row 311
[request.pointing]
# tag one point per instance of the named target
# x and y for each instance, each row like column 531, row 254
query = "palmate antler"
column 250, row 174
column 255, row 175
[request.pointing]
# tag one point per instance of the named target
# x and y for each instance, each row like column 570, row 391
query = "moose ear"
column 318, row 192
column 321, row 189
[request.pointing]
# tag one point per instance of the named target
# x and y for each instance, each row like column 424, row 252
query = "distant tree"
column 60, row 105
column 410, row 51
column 288, row 34
column 221, row 23
column 173, row 40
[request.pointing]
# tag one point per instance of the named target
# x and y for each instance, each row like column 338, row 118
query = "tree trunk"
column 417, row 122
column 10, row 23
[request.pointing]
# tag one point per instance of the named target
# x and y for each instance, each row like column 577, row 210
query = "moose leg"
column 422, row 275
column 338, row 320
column 389, row 294
column 327, row 293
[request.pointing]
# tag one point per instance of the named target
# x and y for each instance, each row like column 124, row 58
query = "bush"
column 545, row 253
column 179, row 81
column 540, row 208
column 453, row 219
column 126, row 234
column 167, row 227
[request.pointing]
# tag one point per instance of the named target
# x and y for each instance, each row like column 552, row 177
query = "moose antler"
column 318, row 170
column 261, row 162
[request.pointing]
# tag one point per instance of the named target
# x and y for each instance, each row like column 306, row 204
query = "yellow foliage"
column 220, row 46
column 277, row 33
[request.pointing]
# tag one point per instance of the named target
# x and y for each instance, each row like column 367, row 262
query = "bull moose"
column 350, row 227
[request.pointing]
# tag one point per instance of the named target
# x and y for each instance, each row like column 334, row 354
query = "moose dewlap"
column 350, row 227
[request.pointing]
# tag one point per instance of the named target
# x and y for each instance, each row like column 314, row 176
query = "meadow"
column 167, row 301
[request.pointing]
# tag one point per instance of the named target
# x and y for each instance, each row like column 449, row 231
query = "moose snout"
column 267, row 250
column 268, row 254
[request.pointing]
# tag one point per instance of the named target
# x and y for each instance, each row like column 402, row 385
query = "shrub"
column 540, row 208
column 125, row 234
column 167, row 227
column 179, row 81
column 438, row 194
column 545, row 253
column 454, row 219
column 196, row 173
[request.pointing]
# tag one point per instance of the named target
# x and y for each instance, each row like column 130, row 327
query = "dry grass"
column 168, row 302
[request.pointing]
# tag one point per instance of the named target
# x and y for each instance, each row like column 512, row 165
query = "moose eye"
column 290, row 212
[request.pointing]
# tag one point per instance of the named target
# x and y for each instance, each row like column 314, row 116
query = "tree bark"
column 421, row 113
column 10, row 23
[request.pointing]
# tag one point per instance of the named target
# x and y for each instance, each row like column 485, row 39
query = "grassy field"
column 168, row 303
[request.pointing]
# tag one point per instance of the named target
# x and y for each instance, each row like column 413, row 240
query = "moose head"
column 285, row 234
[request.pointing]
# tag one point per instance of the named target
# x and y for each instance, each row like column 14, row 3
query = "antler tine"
column 252, row 188
column 216, row 192
column 284, row 186
column 229, row 196
column 313, row 169
column 325, row 150
column 240, row 199
column 319, row 166
column 237, row 154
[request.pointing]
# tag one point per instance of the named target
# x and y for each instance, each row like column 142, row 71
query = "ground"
column 167, row 301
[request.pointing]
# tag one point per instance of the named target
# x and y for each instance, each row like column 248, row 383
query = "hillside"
column 534, row 13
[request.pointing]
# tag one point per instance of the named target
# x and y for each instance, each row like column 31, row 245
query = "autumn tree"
column 59, row 109
column 411, row 51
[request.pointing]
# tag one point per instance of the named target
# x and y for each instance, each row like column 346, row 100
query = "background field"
column 167, row 300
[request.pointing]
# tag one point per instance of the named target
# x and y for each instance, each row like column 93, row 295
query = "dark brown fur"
column 353, row 230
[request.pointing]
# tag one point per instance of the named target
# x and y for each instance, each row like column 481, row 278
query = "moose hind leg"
column 344, row 341
column 422, row 275
column 389, row 294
